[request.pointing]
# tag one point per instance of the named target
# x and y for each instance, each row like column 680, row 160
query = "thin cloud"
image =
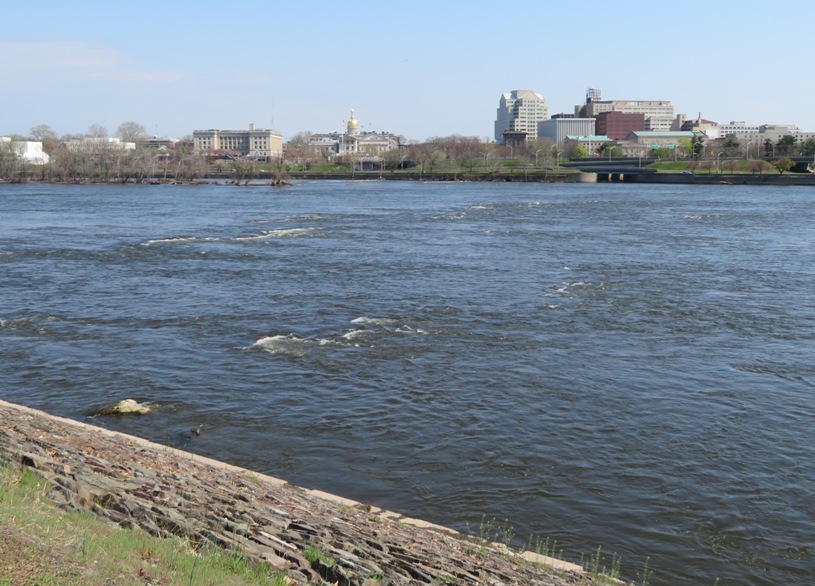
column 135, row 76
column 78, row 60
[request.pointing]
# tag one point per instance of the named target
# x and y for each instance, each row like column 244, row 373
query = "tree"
column 730, row 165
column 609, row 149
column 697, row 146
column 42, row 132
column 783, row 164
column 578, row 152
column 684, row 146
column 97, row 131
column 808, row 147
column 9, row 161
column 768, row 147
column 730, row 147
column 759, row 165
column 130, row 131
column 786, row 145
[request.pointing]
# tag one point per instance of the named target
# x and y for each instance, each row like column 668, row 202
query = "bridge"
column 631, row 169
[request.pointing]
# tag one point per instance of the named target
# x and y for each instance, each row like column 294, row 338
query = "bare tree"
column 42, row 132
column 97, row 131
column 130, row 131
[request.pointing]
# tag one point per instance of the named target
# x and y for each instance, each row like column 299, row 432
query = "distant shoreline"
column 790, row 179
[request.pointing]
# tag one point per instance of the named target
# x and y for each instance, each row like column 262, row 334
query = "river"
column 615, row 365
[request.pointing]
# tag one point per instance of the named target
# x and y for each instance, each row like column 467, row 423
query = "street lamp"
column 748, row 149
column 718, row 162
column 536, row 156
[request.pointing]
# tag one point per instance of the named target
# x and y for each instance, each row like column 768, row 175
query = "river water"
column 625, row 366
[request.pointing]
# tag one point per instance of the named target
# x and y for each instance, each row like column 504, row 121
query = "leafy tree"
column 730, row 147
column 609, row 149
column 579, row 152
column 660, row 153
column 808, row 147
column 783, row 164
column 685, row 146
column 768, row 146
column 786, row 145
column 697, row 146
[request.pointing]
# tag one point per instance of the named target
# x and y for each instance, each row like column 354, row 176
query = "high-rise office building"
column 519, row 111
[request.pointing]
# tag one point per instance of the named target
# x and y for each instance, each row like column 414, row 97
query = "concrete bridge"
column 631, row 169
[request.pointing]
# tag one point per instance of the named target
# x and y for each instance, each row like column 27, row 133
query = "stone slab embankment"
column 164, row 491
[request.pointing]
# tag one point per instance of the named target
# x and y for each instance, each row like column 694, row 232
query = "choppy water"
column 615, row 365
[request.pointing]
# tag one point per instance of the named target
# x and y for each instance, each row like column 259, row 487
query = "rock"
column 123, row 407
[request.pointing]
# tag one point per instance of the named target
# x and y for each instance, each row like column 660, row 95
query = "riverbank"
column 632, row 175
column 142, row 485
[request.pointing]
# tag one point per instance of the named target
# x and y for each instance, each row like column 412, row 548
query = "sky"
column 419, row 69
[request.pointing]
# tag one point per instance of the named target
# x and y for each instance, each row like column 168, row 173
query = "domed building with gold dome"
column 355, row 144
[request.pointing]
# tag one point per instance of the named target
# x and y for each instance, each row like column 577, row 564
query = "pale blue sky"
column 419, row 68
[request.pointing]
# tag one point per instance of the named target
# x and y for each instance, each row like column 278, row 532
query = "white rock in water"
column 129, row 407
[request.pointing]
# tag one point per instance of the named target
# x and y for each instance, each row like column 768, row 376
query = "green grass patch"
column 315, row 554
column 44, row 545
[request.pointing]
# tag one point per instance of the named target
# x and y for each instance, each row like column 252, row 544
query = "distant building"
column 617, row 125
column 28, row 150
column 711, row 129
column 559, row 129
column 738, row 130
column 751, row 134
column 591, row 142
column 90, row 144
column 256, row 143
column 354, row 142
column 158, row 142
column 520, row 111
column 640, row 142
column 659, row 114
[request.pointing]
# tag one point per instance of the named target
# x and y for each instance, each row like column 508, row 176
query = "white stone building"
column 559, row 129
column 354, row 142
column 520, row 111
column 256, row 143
column 90, row 144
column 29, row 151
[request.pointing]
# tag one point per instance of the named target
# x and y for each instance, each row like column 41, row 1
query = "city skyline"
column 435, row 69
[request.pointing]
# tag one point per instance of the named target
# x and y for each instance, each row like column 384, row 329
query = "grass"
column 42, row 545
column 314, row 554
column 597, row 570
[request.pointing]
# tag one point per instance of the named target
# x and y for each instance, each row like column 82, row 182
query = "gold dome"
column 352, row 123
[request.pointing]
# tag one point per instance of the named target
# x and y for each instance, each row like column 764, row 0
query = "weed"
column 543, row 548
column 646, row 572
column 314, row 554
column 597, row 570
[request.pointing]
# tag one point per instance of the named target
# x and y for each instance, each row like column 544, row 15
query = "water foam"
column 175, row 239
column 282, row 233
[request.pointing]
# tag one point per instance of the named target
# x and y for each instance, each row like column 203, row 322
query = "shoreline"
column 165, row 491
column 787, row 179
